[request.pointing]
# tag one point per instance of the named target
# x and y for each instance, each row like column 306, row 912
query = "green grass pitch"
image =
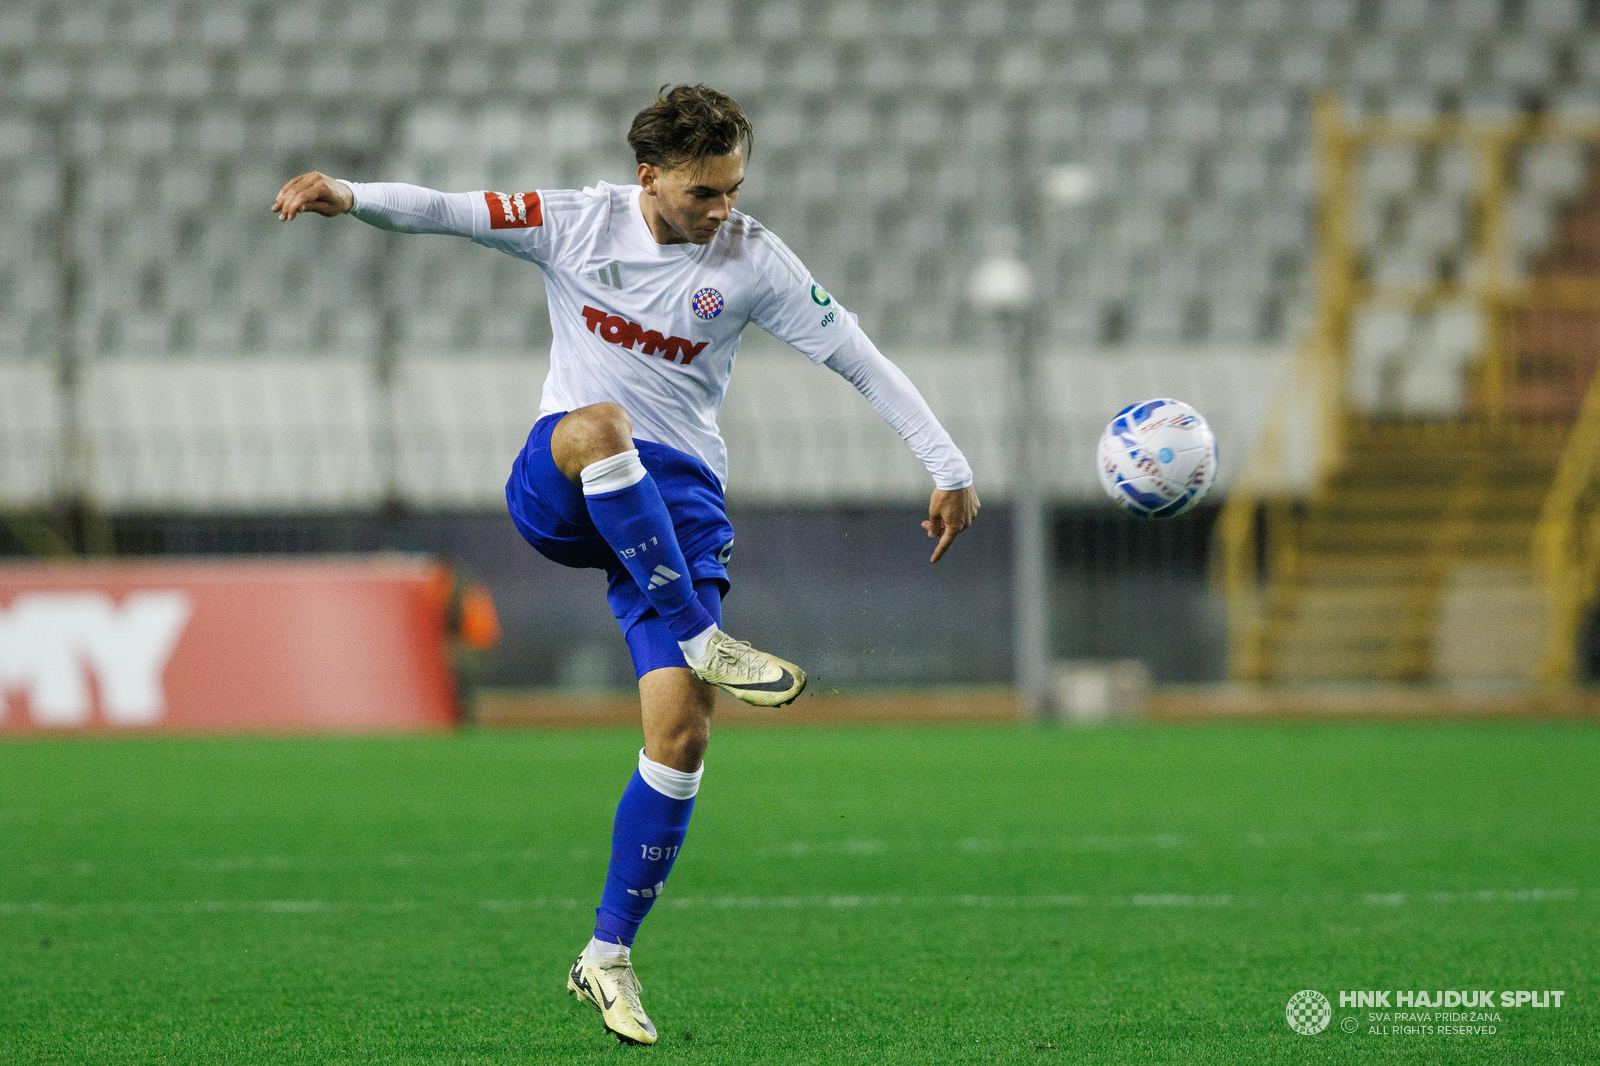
column 1136, row 894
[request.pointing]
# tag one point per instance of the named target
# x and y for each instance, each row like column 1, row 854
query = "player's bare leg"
column 677, row 717
column 593, row 447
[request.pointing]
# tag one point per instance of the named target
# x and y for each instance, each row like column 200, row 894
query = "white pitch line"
column 1151, row 900
column 867, row 849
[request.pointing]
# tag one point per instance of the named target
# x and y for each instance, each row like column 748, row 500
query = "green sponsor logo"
column 821, row 297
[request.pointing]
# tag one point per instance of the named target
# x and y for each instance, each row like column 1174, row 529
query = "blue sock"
column 627, row 509
column 651, row 822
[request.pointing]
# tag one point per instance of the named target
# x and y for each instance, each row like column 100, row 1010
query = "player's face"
column 694, row 200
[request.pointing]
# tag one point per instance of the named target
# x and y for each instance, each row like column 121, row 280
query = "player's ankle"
column 695, row 647
column 606, row 949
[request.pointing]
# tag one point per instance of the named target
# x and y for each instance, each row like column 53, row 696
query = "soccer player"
column 650, row 286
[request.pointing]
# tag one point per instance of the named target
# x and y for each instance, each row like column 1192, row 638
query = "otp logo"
column 614, row 329
column 519, row 211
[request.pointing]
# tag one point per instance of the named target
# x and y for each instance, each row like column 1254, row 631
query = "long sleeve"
column 898, row 402
column 405, row 208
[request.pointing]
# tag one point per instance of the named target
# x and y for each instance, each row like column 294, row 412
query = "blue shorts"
column 552, row 515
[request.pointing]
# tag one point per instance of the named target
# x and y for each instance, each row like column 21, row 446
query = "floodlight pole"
column 1003, row 287
column 1030, row 542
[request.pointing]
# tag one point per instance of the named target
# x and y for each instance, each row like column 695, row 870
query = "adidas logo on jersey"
column 648, row 893
column 664, row 575
column 609, row 275
column 614, row 329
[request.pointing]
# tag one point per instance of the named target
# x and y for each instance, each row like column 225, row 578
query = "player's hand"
column 313, row 192
column 949, row 512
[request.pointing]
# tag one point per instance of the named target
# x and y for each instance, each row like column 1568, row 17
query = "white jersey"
column 655, row 327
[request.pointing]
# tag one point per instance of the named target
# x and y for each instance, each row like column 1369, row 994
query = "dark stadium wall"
column 848, row 592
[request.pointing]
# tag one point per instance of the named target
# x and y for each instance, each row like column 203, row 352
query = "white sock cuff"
column 667, row 781
column 613, row 473
column 695, row 646
column 600, row 949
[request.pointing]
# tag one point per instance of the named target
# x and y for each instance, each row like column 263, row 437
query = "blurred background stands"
column 883, row 134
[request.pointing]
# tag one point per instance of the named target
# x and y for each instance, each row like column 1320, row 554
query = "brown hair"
column 686, row 123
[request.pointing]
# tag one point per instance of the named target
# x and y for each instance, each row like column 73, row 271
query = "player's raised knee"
column 606, row 424
column 590, row 434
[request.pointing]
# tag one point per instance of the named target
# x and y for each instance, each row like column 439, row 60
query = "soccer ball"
column 1157, row 458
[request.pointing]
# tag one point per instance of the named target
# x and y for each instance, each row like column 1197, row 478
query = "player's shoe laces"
column 753, row 676
column 612, row 986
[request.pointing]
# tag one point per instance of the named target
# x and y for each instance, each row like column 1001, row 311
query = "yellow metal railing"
column 1254, row 549
column 1566, row 543
column 1253, row 546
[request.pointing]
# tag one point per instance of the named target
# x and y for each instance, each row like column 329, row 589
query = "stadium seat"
column 916, row 20
column 780, row 22
column 1375, row 61
column 1436, row 225
column 1446, row 60
column 1559, row 16
column 985, row 20
column 1553, row 171
column 1160, row 65
column 1241, row 175
column 1404, row 266
column 1521, row 62
column 1125, row 17
column 1458, row 172
column 1475, row 15
column 46, row 80
column 1053, row 22
column 1303, row 62
column 1380, row 343
column 1581, row 104
column 1332, row 16
column 1405, row 16
column 1261, row 16
column 84, row 25
column 852, row 20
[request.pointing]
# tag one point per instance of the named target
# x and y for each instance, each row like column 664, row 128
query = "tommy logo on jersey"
column 707, row 304
column 614, row 329
column 514, row 211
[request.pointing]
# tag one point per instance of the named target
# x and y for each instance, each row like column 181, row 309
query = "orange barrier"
column 226, row 645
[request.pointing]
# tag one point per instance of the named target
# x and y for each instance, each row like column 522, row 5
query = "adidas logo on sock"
column 662, row 576
column 646, row 893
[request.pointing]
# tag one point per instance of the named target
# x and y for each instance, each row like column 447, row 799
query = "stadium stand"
column 1446, row 536
column 143, row 142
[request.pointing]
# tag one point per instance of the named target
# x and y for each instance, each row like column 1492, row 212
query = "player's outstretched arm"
column 897, row 401
column 388, row 205
column 949, row 512
column 313, row 192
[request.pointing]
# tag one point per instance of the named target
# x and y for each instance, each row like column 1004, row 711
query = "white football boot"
column 613, row 988
column 753, row 676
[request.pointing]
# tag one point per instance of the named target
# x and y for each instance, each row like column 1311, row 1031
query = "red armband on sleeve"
column 514, row 210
